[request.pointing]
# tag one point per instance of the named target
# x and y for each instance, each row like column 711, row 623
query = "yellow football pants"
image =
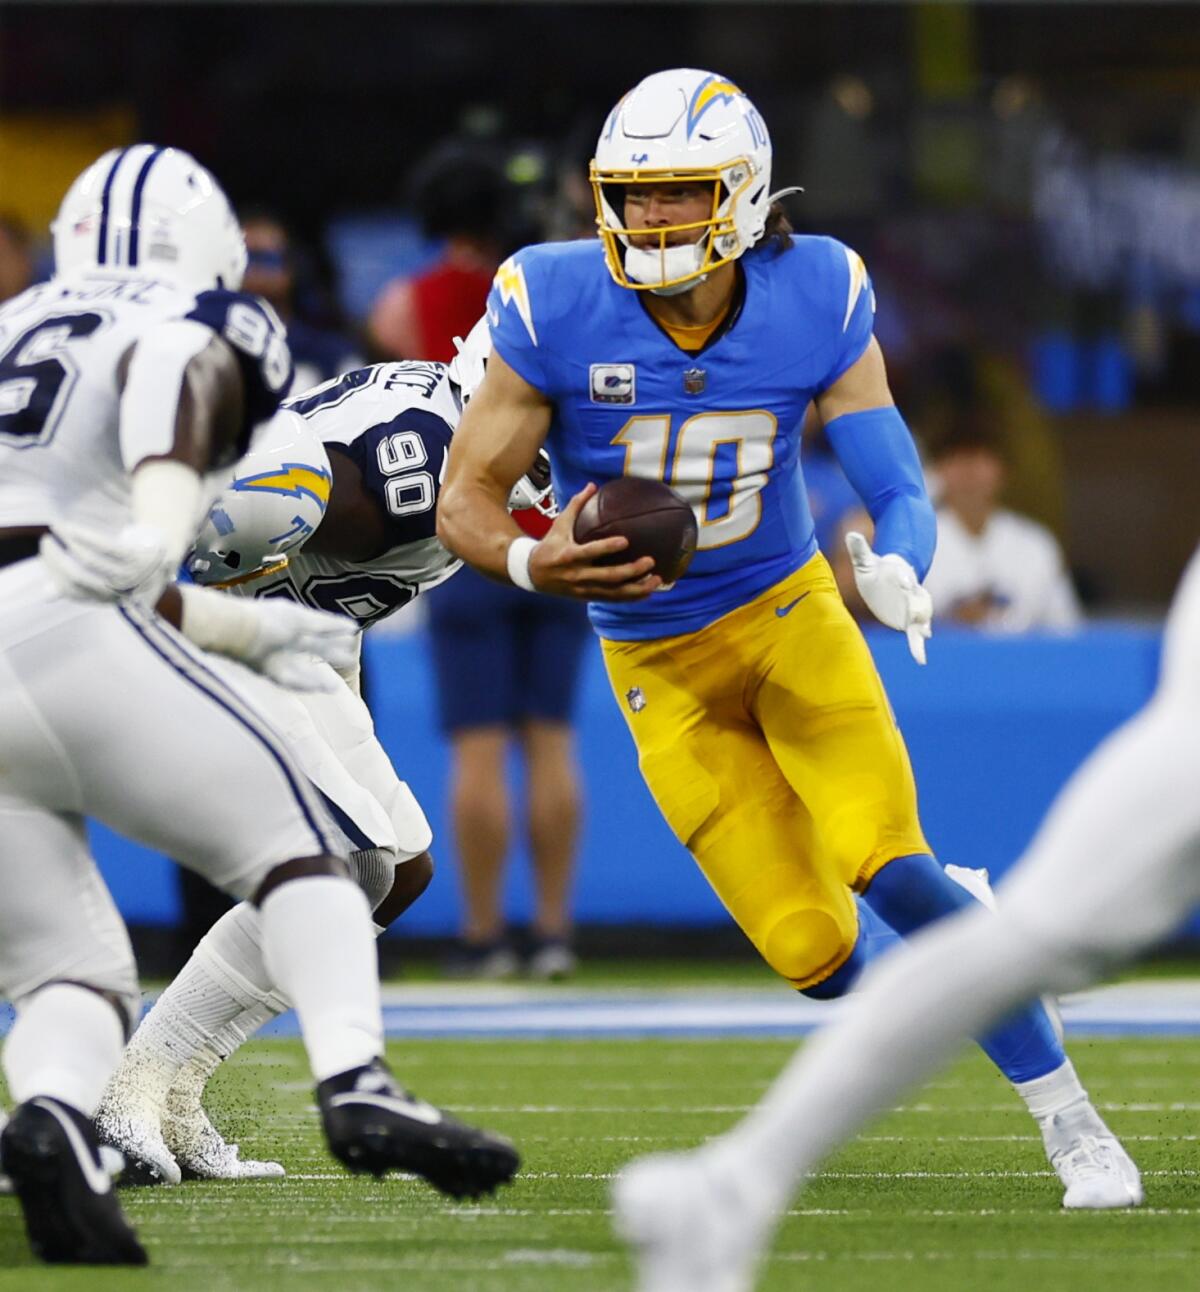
column 770, row 747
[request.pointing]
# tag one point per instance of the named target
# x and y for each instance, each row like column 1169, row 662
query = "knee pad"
column 806, row 946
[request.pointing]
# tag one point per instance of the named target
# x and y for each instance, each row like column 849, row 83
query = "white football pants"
column 107, row 712
column 332, row 737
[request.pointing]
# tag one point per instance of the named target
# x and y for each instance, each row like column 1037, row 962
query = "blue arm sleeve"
column 880, row 460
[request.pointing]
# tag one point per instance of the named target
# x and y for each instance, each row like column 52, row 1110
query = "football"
column 652, row 516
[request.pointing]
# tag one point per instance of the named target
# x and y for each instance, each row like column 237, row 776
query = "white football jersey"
column 61, row 345
column 394, row 421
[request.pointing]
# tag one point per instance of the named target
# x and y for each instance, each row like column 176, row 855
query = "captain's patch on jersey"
column 613, row 383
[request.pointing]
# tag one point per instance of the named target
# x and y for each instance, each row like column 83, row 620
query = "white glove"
column 892, row 591
column 290, row 644
column 300, row 648
column 95, row 565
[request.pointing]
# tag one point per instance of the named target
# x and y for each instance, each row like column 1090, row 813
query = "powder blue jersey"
column 721, row 427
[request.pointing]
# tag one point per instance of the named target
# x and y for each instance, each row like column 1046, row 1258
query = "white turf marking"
column 1031, row 1138
column 497, row 1010
column 553, row 1256
column 471, row 1212
column 673, row 1110
column 1179, row 1172
column 427, row 1262
column 1006, row 1256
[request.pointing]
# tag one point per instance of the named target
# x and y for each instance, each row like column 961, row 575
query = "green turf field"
column 948, row 1194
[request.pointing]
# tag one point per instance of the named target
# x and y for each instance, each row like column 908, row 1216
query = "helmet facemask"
column 668, row 269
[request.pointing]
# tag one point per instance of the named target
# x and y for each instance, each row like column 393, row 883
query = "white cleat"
column 691, row 1227
column 131, row 1125
column 1097, row 1173
column 202, row 1151
column 976, row 881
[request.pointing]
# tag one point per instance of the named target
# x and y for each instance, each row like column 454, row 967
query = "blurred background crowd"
column 1022, row 180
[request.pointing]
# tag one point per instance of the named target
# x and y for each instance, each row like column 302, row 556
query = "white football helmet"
column 694, row 127
column 534, row 490
column 271, row 502
column 155, row 209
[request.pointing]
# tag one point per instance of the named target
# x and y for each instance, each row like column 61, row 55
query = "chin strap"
column 658, row 261
column 678, row 289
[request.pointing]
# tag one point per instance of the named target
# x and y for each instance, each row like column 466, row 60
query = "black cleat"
column 52, row 1156
column 137, row 1174
column 373, row 1124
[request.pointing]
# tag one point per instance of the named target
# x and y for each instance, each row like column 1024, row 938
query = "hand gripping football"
column 652, row 516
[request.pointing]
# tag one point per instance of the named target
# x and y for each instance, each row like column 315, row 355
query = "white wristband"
column 519, row 552
column 219, row 621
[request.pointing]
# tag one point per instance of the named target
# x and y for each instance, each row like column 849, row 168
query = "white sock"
column 187, row 1087
column 224, row 981
column 320, row 949
column 65, row 1043
column 1055, row 1093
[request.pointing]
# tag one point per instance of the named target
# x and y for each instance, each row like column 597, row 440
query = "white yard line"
column 1180, row 1172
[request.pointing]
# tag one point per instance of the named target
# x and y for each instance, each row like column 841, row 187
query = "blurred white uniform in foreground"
column 1114, row 870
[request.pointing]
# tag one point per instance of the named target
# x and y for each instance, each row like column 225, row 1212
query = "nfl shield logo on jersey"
column 613, row 383
column 635, row 697
column 694, row 381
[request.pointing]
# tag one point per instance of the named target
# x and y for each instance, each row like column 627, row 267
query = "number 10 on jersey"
column 720, row 465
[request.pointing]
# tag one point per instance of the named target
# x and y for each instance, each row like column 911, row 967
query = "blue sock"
column 874, row 939
column 909, row 893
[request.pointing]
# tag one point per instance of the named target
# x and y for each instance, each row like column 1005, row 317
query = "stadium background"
column 1023, row 181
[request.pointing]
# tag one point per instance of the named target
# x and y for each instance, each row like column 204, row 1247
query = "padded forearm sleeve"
column 880, row 460
column 168, row 497
column 218, row 621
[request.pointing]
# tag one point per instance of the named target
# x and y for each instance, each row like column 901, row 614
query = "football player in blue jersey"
column 685, row 345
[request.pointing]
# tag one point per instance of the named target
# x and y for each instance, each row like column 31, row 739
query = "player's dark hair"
column 777, row 233
column 971, row 430
column 460, row 188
